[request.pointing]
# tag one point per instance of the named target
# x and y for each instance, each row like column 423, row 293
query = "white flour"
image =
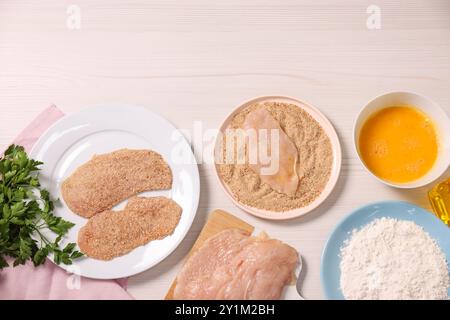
column 393, row 259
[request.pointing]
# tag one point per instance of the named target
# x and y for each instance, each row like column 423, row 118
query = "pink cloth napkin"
column 48, row 281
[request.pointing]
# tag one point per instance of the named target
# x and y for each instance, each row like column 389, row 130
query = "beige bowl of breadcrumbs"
column 318, row 164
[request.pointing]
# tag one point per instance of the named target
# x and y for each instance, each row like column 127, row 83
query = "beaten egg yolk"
column 398, row 144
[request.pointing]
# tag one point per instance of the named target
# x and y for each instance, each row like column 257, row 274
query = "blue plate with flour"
column 330, row 271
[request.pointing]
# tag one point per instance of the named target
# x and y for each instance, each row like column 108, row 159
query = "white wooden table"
column 198, row 59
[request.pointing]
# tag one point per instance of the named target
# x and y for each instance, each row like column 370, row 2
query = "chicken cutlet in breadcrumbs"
column 111, row 234
column 110, row 178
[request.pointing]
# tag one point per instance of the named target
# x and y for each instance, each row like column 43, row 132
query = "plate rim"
column 325, row 288
column 336, row 170
column 196, row 179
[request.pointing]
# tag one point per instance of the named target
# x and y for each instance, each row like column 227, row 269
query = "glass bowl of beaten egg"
column 402, row 139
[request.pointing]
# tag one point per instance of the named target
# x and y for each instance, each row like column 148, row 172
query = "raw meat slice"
column 285, row 178
column 111, row 234
column 234, row 265
column 110, row 178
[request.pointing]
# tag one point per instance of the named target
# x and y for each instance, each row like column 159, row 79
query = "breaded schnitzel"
column 110, row 178
column 111, row 234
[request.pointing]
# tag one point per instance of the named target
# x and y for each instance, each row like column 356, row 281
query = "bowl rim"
column 335, row 171
column 409, row 185
column 351, row 215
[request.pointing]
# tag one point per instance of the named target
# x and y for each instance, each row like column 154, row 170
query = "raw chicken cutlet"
column 110, row 178
column 235, row 265
column 284, row 179
column 111, row 234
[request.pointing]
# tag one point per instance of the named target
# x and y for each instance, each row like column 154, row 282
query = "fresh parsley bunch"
column 25, row 211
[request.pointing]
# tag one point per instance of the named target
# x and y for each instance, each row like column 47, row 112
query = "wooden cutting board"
column 218, row 221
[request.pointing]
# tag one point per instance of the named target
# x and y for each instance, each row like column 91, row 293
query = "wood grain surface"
column 196, row 60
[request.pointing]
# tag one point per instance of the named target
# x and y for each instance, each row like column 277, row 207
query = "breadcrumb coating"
column 110, row 234
column 110, row 178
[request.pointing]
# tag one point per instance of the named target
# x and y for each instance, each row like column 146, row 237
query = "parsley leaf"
column 25, row 211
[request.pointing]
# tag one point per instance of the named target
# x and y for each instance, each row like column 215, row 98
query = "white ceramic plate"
column 335, row 170
column 75, row 138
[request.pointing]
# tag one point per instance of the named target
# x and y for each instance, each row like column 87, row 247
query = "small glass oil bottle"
column 440, row 200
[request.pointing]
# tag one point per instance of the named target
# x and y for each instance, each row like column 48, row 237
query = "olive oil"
column 440, row 200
